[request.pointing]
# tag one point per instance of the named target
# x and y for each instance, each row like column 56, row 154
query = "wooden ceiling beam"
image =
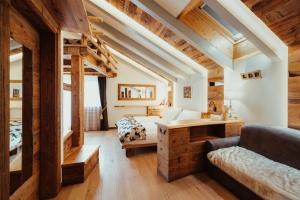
column 178, row 55
column 95, row 19
column 137, row 58
column 70, row 14
column 140, row 50
column 248, row 25
column 87, row 71
column 191, row 6
column 93, row 60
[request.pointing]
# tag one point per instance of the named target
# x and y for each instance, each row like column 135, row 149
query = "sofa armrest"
column 215, row 144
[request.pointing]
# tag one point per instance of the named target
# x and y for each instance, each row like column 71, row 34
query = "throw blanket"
column 129, row 129
column 268, row 179
column 15, row 134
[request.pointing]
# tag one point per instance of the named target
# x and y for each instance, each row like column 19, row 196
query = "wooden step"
column 79, row 164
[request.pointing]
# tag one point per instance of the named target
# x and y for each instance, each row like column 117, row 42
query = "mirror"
column 16, row 105
column 136, row 92
column 20, row 135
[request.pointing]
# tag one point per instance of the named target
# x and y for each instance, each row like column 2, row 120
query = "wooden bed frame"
column 130, row 147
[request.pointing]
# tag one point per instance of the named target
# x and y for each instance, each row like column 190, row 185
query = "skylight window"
column 236, row 35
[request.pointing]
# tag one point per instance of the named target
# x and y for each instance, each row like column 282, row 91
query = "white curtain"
column 92, row 118
column 92, row 105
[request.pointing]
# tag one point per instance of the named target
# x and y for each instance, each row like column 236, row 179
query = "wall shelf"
column 15, row 98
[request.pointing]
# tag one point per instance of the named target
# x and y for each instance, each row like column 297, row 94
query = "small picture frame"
column 16, row 93
column 187, row 92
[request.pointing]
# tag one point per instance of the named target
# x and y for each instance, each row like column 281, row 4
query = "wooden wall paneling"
column 294, row 87
column 50, row 115
column 294, row 102
column 77, row 104
column 37, row 13
column 22, row 31
column 216, row 95
column 216, row 75
column 294, row 60
column 282, row 17
column 4, row 100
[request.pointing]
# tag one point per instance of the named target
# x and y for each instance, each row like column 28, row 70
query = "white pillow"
column 170, row 113
column 189, row 115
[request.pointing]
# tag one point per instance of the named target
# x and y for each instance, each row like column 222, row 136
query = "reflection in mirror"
column 15, row 146
column 16, row 108
column 136, row 92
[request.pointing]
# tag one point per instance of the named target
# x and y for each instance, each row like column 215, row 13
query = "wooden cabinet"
column 233, row 129
column 181, row 151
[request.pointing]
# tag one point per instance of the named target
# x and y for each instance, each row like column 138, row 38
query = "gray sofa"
column 278, row 144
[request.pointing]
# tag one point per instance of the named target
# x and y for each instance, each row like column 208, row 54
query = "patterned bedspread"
column 129, row 129
column 15, row 134
column 268, row 179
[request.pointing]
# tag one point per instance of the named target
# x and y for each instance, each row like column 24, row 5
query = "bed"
column 149, row 124
column 15, row 132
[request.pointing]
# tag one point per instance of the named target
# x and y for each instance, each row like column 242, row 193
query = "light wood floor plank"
column 135, row 178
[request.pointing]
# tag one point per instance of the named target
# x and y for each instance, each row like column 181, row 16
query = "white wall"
column 131, row 75
column 259, row 101
column 198, row 102
column 16, row 74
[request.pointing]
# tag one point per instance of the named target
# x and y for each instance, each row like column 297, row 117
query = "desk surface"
column 200, row 122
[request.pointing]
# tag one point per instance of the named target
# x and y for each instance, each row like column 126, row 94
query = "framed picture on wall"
column 187, row 92
column 16, row 93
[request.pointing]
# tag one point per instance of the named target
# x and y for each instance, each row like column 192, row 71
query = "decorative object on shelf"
column 252, row 75
column 187, row 92
column 205, row 115
column 136, row 92
column 212, row 107
column 231, row 96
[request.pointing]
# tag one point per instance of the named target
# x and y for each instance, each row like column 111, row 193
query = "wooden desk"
column 181, row 144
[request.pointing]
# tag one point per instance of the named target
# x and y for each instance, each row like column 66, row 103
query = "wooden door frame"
column 4, row 100
column 50, row 103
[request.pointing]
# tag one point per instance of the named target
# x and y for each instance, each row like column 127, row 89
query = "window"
column 91, row 92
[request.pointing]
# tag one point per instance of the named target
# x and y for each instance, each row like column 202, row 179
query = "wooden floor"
column 135, row 178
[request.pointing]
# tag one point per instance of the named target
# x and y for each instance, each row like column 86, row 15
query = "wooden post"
column 4, row 99
column 50, row 153
column 77, row 84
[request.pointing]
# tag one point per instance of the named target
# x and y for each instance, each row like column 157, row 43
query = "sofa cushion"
column 278, row 144
column 266, row 178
